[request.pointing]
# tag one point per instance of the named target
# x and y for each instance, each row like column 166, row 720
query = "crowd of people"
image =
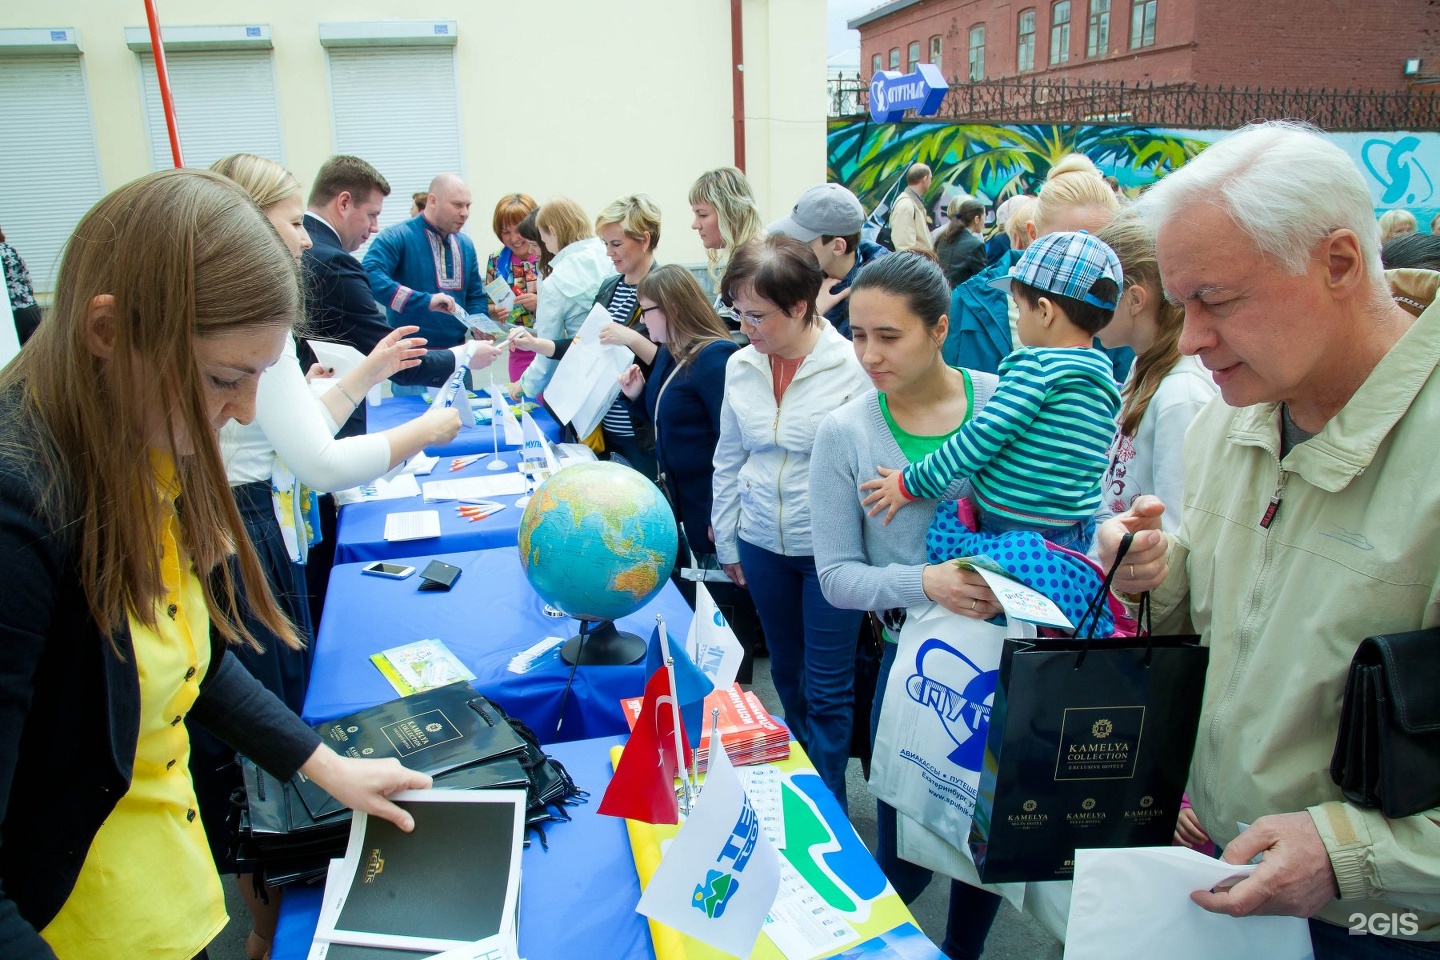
column 1224, row 369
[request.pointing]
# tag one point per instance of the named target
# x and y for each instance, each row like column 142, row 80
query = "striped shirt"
column 1038, row 451
column 621, row 307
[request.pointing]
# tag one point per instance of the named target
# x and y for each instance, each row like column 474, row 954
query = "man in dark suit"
column 344, row 210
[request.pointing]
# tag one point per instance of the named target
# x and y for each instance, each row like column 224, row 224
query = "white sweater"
column 564, row 301
column 1151, row 461
column 291, row 423
column 762, row 460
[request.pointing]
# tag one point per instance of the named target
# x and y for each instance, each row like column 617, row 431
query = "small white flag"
column 535, row 452
column 720, row 875
column 711, row 643
column 500, row 407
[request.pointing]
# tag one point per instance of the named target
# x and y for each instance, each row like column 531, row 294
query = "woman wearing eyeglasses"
column 796, row 369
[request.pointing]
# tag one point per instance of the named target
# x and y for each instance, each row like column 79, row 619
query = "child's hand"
column 886, row 494
column 1188, row 831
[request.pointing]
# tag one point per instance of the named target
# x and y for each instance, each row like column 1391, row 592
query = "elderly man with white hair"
column 1311, row 520
column 421, row 268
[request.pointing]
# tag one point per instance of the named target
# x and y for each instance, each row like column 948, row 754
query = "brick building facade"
column 1359, row 44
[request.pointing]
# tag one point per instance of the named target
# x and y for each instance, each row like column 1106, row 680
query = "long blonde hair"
column 1071, row 184
column 186, row 255
column 265, row 180
column 1134, row 243
column 728, row 191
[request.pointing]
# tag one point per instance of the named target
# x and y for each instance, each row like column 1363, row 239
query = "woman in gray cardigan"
column 898, row 323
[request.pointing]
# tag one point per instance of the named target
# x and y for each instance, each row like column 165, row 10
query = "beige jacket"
column 908, row 229
column 1354, row 550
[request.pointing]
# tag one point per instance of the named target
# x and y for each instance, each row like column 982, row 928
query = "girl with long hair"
column 116, row 521
column 1164, row 391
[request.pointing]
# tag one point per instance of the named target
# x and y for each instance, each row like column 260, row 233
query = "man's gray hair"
column 1283, row 184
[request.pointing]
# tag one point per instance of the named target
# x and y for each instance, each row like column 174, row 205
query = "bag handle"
column 1097, row 603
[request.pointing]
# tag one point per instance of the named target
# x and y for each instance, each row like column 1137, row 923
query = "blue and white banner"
column 719, row 876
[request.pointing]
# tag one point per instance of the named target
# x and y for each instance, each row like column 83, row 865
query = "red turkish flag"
column 643, row 787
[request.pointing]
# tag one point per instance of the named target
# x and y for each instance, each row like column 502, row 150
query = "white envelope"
column 1135, row 903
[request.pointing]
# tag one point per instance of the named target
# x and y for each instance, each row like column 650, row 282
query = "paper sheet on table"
column 340, row 357
column 398, row 488
column 587, row 379
column 420, row 465
column 801, row 923
column 491, row 485
column 1127, row 901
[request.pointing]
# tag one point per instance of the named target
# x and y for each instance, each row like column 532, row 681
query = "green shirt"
column 918, row 447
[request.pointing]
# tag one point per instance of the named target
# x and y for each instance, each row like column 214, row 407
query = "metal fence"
column 1174, row 105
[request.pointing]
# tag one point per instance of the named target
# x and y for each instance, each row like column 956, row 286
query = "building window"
column 1097, row 43
column 977, row 52
column 914, row 51
column 1142, row 24
column 894, row 58
column 1025, row 49
column 935, row 50
column 1060, row 32
column 875, row 64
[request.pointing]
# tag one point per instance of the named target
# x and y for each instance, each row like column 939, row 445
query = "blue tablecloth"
column 360, row 534
column 486, row 618
column 578, row 897
column 394, row 411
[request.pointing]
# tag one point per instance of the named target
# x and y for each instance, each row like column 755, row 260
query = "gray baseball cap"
column 827, row 210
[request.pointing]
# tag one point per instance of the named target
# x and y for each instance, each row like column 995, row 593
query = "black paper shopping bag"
column 1089, row 746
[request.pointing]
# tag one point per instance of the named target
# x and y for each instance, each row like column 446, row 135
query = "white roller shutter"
column 397, row 107
column 224, row 103
column 49, row 168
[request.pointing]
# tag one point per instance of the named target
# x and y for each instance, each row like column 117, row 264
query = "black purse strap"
column 1097, row 602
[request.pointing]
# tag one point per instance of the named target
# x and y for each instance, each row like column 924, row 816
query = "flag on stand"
column 720, row 875
column 535, row 451
column 643, row 787
column 711, row 643
column 500, row 407
column 691, row 684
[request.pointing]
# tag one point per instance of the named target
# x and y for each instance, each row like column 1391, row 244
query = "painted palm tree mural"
column 995, row 160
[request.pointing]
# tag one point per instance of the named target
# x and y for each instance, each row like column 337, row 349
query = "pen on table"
column 460, row 463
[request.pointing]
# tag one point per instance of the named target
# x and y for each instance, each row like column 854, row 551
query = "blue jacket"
column 409, row 261
column 979, row 336
column 686, row 431
column 839, row 315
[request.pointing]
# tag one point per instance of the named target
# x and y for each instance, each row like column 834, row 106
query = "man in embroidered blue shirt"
column 422, row 267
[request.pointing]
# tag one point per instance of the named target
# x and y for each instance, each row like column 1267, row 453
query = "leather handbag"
column 1387, row 751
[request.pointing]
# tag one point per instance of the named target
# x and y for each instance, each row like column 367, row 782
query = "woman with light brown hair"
column 577, row 268
column 1164, row 391
column 726, row 217
column 116, row 519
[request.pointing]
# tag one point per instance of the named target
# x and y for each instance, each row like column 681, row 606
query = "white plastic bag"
column 930, row 744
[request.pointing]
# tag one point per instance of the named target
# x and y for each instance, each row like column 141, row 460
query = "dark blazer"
column 961, row 256
column 70, row 706
column 687, row 427
column 339, row 306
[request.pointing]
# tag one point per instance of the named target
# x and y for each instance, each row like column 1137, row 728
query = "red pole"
column 737, row 80
column 163, row 76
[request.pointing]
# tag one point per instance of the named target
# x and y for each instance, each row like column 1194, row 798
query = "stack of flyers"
column 422, row 665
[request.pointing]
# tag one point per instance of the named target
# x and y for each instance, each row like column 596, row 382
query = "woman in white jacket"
column 796, row 369
column 578, row 266
column 1164, row 391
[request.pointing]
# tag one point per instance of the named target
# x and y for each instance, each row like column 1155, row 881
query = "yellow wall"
column 588, row 98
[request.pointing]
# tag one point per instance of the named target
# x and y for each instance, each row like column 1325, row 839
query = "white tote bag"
column 930, row 745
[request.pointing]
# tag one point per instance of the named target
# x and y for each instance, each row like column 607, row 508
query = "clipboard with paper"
column 587, row 379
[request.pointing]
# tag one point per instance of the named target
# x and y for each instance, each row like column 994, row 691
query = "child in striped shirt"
column 1035, row 455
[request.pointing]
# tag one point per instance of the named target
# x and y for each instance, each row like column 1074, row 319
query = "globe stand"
column 603, row 646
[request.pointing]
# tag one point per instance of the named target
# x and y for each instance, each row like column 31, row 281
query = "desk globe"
column 597, row 541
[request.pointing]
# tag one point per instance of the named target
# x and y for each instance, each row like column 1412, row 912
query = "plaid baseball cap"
column 828, row 209
column 1067, row 264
